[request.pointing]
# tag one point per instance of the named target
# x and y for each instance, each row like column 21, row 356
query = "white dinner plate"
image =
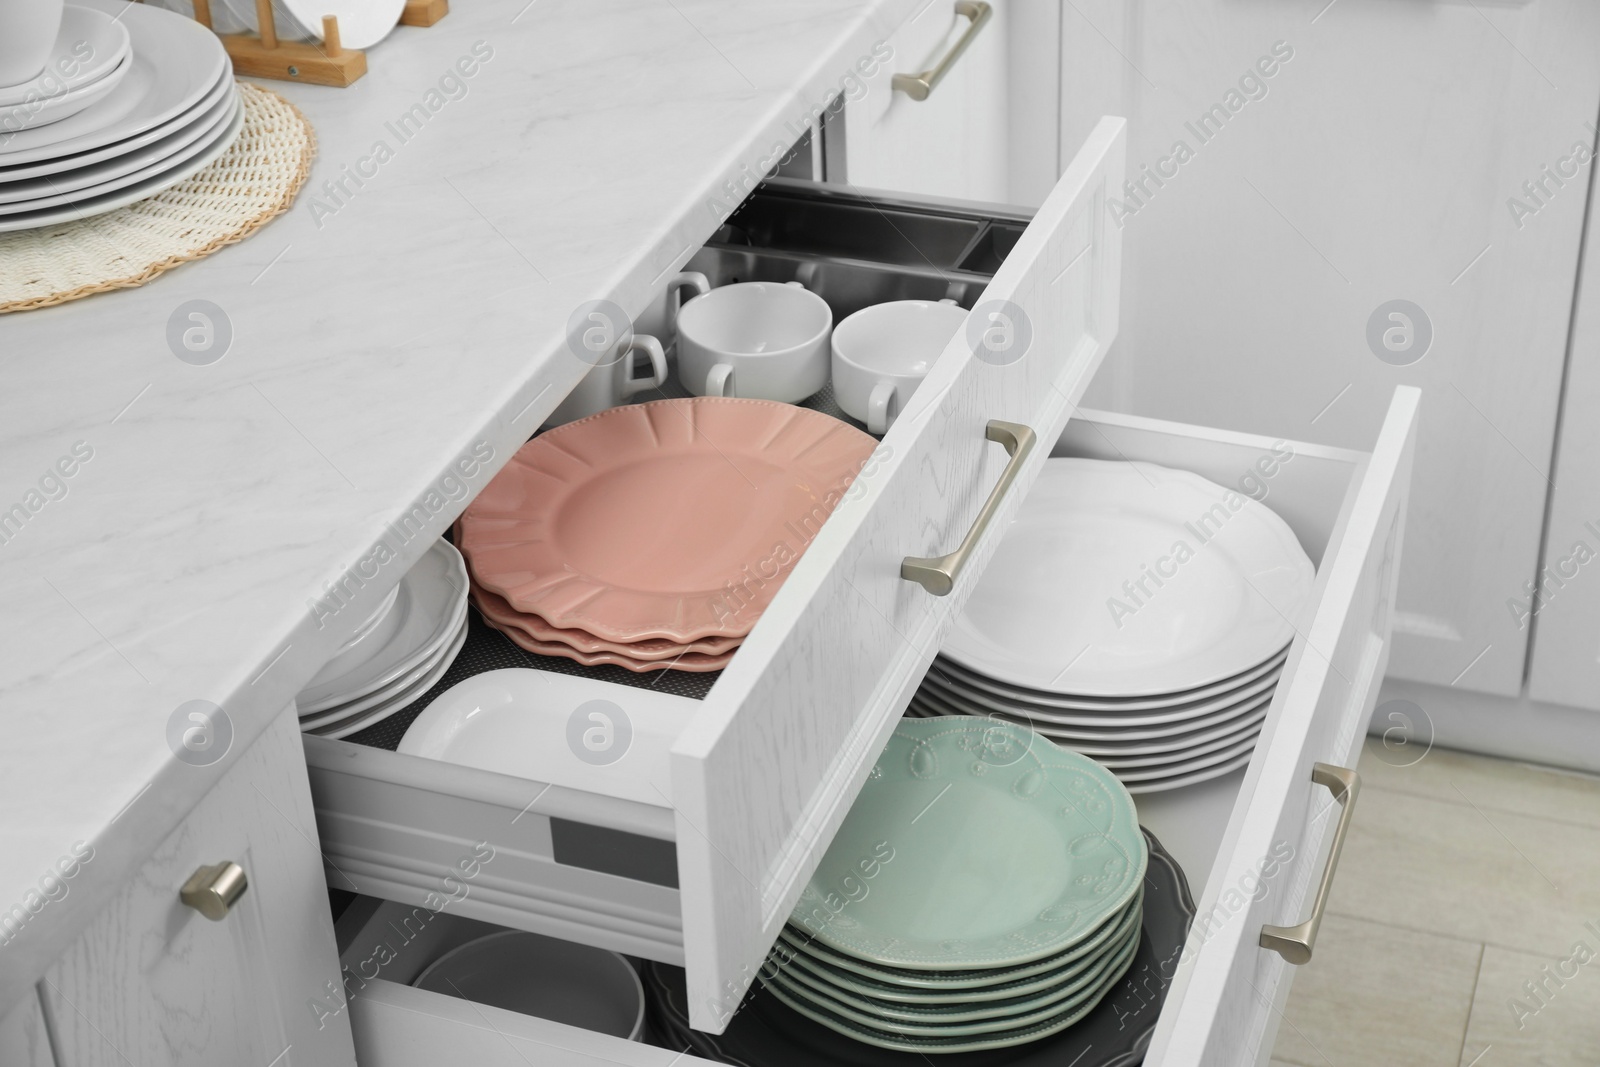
column 948, row 669
column 1059, row 608
column 1174, row 717
column 437, row 593
column 388, row 692
column 362, row 23
column 183, row 120
column 93, row 203
column 1162, row 785
column 362, row 720
column 174, row 63
column 1248, row 731
column 48, row 111
column 1114, row 746
column 138, row 163
column 106, row 40
column 1131, row 778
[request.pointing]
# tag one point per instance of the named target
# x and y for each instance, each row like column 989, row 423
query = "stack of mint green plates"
column 984, row 891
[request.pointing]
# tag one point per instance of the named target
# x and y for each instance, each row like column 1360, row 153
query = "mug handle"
column 689, row 279
column 719, row 382
column 658, row 364
column 879, row 417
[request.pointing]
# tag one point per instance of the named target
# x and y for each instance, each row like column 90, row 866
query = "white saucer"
column 438, row 595
column 361, row 720
column 174, row 63
column 1053, row 611
column 400, row 685
column 137, row 164
column 106, row 40
column 93, row 204
column 52, row 109
column 68, row 162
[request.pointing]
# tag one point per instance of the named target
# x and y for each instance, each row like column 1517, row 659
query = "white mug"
column 755, row 339
column 882, row 353
column 611, row 381
column 661, row 317
column 28, row 30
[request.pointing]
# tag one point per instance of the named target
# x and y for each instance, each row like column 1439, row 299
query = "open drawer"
column 758, row 775
column 1348, row 510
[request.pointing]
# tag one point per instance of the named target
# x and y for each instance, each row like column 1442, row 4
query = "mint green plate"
column 922, row 1019
column 974, row 844
column 923, row 1041
column 1083, row 957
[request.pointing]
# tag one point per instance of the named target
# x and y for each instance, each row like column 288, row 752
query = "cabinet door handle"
column 213, row 890
column 938, row 574
column 918, row 86
column 1295, row 943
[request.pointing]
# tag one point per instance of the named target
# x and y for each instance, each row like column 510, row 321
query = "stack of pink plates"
column 653, row 536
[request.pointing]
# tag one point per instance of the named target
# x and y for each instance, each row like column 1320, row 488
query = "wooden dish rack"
column 325, row 63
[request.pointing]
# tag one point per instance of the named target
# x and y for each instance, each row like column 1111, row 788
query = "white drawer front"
column 1220, row 1004
column 765, row 772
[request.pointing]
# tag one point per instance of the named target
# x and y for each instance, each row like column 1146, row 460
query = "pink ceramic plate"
column 689, row 661
column 676, row 519
column 493, row 607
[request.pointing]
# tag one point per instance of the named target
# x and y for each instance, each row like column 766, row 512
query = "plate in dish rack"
column 676, row 519
column 974, row 844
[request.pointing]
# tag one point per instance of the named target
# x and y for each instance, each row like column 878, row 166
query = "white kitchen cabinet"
column 760, row 774
column 1348, row 510
column 1561, row 605
column 152, row 981
column 24, row 1036
column 766, row 767
column 953, row 143
column 1381, row 163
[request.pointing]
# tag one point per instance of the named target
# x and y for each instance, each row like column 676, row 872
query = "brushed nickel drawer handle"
column 1295, row 943
column 213, row 890
column 918, row 86
column 938, row 574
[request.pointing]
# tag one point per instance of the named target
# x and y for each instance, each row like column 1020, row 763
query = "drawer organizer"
column 736, row 782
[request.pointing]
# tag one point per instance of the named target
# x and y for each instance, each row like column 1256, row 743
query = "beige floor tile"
column 1478, row 874
column 1496, row 784
column 1559, row 1029
column 1375, row 994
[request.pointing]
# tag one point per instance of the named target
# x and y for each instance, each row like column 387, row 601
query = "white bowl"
column 882, row 353
column 546, row 977
column 755, row 339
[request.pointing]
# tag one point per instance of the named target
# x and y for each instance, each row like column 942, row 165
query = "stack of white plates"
column 397, row 655
column 158, row 106
column 1134, row 613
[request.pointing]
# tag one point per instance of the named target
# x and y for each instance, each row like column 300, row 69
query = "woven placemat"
column 253, row 181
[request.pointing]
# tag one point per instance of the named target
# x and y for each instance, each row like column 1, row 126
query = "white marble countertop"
column 379, row 333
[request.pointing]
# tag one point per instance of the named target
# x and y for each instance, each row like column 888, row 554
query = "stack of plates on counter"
column 149, row 101
column 397, row 655
column 653, row 536
column 1134, row 613
column 984, row 891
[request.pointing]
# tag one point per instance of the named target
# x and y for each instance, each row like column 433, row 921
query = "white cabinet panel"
column 1562, row 608
column 1379, row 162
column 153, row 982
column 954, row 143
column 24, row 1038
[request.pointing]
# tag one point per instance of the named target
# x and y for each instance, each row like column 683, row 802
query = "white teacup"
column 611, row 381
column 28, row 30
column 660, row 318
column 882, row 353
column 755, row 339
